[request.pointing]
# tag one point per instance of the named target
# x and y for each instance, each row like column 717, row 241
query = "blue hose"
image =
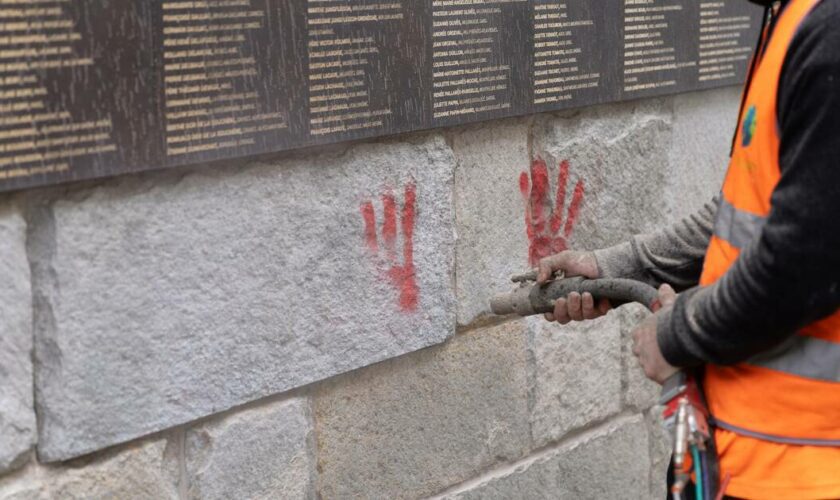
column 698, row 473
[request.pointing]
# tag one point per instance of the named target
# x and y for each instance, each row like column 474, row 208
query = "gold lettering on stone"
column 343, row 68
column 556, row 75
column 468, row 78
column 209, row 76
column 38, row 41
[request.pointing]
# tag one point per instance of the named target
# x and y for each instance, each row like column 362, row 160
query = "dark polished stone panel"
column 92, row 88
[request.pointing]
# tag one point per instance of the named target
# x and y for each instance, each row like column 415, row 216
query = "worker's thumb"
column 667, row 295
column 571, row 263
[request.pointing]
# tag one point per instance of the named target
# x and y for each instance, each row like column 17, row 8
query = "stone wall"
column 315, row 325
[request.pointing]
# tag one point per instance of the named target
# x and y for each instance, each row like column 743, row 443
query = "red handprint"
column 402, row 276
column 545, row 236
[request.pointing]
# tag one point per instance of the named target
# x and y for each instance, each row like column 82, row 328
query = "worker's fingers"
column 667, row 295
column 561, row 312
column 575, row 306
column 549, row 316
column 588, row 306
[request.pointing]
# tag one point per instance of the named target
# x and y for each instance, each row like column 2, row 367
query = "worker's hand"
column 645, row 346
column 575, row 307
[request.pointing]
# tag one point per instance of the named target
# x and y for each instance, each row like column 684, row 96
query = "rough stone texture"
column 661, row 444
column 640, row 393
column 17, row 417
column 621, row 153
column 415, row 425
column 167, row 299
column 577, row 377
column 492, row 245
column 702, row 135
column 612, row 463
column 140, row 472
column 262, row 452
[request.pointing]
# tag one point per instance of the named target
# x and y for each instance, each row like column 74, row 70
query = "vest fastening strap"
column 736, row 227
column 777, row 439
column 804, row 356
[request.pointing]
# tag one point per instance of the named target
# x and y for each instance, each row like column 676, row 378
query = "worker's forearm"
column 673, row 255
column 766, row 297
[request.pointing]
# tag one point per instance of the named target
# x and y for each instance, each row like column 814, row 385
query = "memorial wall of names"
column 92, row 88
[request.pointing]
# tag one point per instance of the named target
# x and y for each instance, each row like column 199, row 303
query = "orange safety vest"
column 782, row 407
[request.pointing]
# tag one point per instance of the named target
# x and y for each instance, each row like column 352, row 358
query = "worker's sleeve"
column 789, row 276
column 673, row 255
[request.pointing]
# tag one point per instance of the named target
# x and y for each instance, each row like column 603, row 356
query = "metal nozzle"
column 681, row 433
column 515, row 302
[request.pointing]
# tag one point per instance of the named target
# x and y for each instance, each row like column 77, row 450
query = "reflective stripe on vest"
column 776, row 439
column 804, row 356
column 736, row 227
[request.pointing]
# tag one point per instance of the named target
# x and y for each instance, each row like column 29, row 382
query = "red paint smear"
column 524, row 184
column 539, row 190
column 369, row 217
column 545, row 241
column 389, row 225
column 408, row 217
column 543, row 247
column 560, row 198
column 574, row 208
column 525, row 189
column 404, row 277
column 556, row 245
